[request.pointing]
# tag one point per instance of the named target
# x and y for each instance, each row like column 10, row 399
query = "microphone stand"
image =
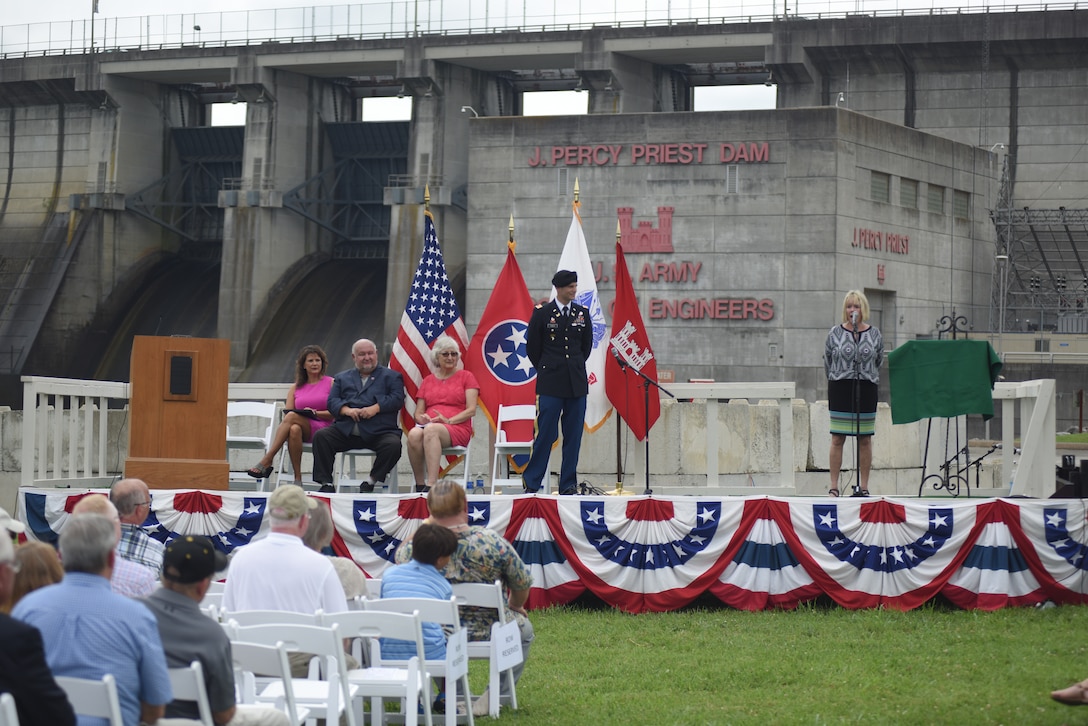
column 646, row 383
column 857, row 410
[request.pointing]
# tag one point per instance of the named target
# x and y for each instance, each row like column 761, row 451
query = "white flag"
column 576, row 257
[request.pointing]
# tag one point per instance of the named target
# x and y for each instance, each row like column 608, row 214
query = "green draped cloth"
column 941, row 379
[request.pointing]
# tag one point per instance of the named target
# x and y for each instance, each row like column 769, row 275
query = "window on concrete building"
column 908, row 193
column 734, row 98
column 386, row 108
column 935, row 199
column 227, row 114
column 879, row 186
column 961, row 204
column 732, row 178
column 554, row 103
column 562, row 181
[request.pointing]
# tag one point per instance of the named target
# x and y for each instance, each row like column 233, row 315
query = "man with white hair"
column 133, row 501
column 39, row 701
column 129, row 578
column 90, row 631
column 279, row 572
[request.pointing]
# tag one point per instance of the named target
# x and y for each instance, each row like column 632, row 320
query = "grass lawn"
column 1081, row 438
column 819, row 664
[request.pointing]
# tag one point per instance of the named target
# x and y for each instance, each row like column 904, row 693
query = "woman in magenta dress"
column 445, row 405
column 310, row 395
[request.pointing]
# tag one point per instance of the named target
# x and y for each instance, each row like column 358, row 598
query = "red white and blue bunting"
column 660, row 553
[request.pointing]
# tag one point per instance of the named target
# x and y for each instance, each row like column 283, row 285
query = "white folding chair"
column 406, row 680
column 188, row 685
column 212, row 599
column 503, row 649
column 352, row 479
column 253, row 659
column 97, row 699
column 265, row 413
column 454, row 668
column 8, row 715
column 325, row 699
column 245, row 618
column 504, row 447
column 217, row 586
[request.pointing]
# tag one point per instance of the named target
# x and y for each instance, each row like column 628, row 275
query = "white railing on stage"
column 68, row 426
column 1034, row 476
column 714, row 393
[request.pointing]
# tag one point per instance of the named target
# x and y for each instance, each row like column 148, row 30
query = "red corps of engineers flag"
column 629, row 339
column 496, row 354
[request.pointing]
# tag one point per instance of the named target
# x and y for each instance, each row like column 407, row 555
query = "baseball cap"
column 191, row 558
column 10, row 524
column 289, row 501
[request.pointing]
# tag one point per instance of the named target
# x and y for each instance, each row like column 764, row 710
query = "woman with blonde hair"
column 852, row 356
column 445, row 405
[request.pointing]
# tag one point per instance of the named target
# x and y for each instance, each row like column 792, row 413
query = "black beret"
column 564, row 278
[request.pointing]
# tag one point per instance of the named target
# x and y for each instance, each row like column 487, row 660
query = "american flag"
column 431, row 311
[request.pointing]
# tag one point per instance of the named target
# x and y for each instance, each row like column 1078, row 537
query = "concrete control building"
column 938, row 162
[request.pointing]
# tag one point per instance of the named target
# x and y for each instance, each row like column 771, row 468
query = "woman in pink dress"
column 309, row 397
column 445, row 405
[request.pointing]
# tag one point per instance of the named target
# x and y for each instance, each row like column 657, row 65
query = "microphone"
column 619, row 358
column 854, row 317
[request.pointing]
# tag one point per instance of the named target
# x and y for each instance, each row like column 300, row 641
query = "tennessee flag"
column 625, row 388
column 496, row 354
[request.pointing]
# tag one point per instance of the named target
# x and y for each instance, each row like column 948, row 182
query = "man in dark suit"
column 559, row 340
column 24, row 673
column 366, row 401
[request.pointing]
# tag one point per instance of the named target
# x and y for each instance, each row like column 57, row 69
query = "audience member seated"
column 306, row 412
column 445, row 405
column 37, row 565
column 279, row 572
column 319, row 536
column 366, row 401
column 39, row 701
column 90, row 631
column 189, row 564
column 133, row 501
column 432, row 546
column 129, row 578
column 482, row 556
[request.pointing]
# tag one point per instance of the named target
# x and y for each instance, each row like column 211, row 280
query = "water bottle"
column 469, row 485
column 480, row 483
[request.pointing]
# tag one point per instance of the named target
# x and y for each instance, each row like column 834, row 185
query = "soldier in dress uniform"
column 560, row 339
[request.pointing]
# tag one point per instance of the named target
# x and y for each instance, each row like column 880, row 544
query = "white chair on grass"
column 97, row 699
column 406, row 681
column 266, row 415
column 505, row 447
column 188, row 685
column 454, row 668
column 217, row 586
column 8, row 715
column 326, row 698
column 270, row 661
column 503, row 649
column 212, row 599
column 245, row 618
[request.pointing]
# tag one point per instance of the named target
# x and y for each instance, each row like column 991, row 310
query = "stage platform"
column 659, row 553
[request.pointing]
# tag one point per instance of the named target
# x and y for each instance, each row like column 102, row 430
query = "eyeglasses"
column 449, row 354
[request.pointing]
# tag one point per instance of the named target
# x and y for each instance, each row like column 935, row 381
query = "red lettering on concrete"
column 647, row 273
column 727, row 153
column 759, row 153
column 766, row 309
column 557, row 154
column 668, row 153
column 638, row 151
column 750, row 305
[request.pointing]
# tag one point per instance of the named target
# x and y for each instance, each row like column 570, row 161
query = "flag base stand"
column 619, row 491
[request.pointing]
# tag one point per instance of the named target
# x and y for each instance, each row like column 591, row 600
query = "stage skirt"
column 840, row 402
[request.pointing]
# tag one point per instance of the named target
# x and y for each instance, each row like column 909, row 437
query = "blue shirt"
column 415, row 579
column 90, row 631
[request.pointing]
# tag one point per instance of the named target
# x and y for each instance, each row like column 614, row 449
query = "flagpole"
column 619, row 491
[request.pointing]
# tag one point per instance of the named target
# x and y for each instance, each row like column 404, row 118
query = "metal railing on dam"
column 406, row 18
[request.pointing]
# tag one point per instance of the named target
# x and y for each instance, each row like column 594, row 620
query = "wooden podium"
column 178, row 403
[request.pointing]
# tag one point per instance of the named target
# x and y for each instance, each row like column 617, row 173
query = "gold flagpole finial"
column 617, row 231
column 575, row 190
column 427, row 197
column 510, row 242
